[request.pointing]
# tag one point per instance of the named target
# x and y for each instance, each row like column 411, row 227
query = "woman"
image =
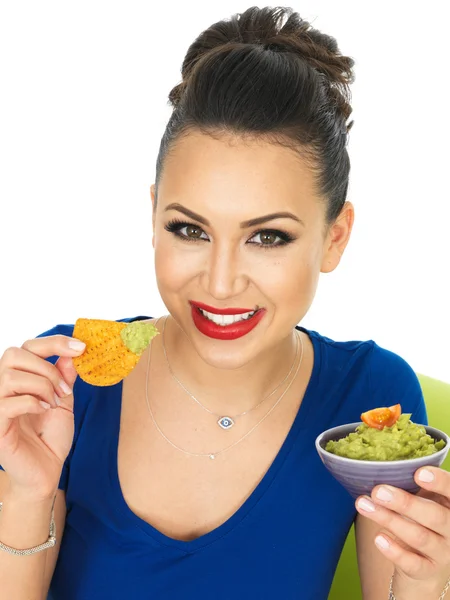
column 197, row 476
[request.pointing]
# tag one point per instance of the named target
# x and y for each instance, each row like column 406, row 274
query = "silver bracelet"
column 48, row 544
column 392, row 596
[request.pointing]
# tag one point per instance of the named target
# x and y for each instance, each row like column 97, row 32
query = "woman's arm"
column 25, row 524
column 375, row 570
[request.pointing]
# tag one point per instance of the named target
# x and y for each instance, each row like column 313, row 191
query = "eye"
column 267, row 237
column 194, row 232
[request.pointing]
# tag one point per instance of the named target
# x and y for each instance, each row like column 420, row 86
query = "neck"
column 217, row 387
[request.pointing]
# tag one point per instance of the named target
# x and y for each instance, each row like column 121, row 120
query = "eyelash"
column 175, row 225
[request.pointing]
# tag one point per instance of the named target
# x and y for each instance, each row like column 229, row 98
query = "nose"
column 224, row 276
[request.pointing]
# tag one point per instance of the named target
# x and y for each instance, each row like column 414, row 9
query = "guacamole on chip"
column 402, row 440
column 136, row 336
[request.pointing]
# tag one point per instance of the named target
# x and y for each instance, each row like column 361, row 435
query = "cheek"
column 167, row 268
column 174, row 265
column 291, row 282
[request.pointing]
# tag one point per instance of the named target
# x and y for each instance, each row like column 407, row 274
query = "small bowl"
column 360, row 476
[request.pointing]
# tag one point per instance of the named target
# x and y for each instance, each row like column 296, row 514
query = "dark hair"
column 255, row 78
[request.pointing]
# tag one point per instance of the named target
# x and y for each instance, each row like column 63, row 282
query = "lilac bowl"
column 360, row 476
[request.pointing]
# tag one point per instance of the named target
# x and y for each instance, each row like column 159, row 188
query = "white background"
column 83, row 106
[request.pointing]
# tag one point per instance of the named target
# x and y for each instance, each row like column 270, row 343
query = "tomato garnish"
column 382, row 417
column 396, row 410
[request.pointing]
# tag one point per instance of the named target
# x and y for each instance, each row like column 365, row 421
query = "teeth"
column 224, row 320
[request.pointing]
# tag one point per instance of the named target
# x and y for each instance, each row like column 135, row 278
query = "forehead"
column 204, row 167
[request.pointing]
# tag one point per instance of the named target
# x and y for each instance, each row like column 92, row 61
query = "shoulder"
column 340, row 345
column 369, row 375
column 377, row 359
column 393, row 378
column 340, row 360
column 386, row 362
column 338, row 353
column 391, row 372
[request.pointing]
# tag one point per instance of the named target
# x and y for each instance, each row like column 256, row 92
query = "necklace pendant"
column 225, row 422
column 212, row 456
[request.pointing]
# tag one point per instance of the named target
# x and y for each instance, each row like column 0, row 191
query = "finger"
column 414, row 565
column 16, row 406
column 68, row 371
column 66, row 367
column 434, row 479
column 18, row 383
column 24, row 359
column 432, row 515
column 54, row 345
column 417, row 537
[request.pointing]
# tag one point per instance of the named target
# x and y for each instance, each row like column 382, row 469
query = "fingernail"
column 384, row 494
column 65, row 388
column 366, row 504
column 44, row 404
column 426, row 476
column 57, row 400
column 76, row 345
column 382, row 542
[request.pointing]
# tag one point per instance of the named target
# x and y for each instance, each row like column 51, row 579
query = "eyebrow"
column 243, row 225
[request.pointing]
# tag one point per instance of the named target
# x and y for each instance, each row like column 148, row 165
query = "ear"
column 337, row 238
column 152, row 196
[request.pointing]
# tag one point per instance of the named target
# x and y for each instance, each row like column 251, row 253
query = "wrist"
column 28, row 497
column 25, row 522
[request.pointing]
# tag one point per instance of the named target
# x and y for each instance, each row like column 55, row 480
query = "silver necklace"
column 213, row 455
column 224, row 422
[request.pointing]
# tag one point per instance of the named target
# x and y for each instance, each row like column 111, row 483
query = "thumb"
column 64, row 364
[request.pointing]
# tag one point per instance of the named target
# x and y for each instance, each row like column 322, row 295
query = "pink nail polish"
column 384, row 494
column 366, row 505
column 382, row 542
column 426, row 476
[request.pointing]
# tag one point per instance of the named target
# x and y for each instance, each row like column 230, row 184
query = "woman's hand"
column 36, row 413
column 417, row 538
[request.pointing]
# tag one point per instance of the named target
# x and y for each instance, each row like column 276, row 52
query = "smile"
column 226, row 326
column 224, row 320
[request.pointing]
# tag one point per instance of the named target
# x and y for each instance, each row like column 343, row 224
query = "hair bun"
column 277, row 29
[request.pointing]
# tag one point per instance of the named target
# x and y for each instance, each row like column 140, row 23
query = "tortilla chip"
column 107, row 359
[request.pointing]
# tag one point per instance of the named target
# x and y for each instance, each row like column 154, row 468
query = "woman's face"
column 225, row 264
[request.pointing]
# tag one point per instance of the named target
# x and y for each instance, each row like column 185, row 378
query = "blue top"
column 283, row 542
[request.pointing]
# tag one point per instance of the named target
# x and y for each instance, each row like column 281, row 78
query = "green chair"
column 346, row 584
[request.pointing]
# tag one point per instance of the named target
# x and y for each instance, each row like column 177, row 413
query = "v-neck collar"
column 189, row 547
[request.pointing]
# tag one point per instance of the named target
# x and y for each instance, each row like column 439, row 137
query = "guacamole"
column 137, row 335
column 403, row 440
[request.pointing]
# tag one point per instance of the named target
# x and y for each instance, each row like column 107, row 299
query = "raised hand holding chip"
column 36, row 413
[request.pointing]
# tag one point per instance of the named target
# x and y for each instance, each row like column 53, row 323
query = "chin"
column 218, row 358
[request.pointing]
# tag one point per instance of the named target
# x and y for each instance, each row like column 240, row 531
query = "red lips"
column 225, row 332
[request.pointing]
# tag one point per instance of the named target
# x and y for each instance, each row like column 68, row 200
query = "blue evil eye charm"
column 226, row 422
